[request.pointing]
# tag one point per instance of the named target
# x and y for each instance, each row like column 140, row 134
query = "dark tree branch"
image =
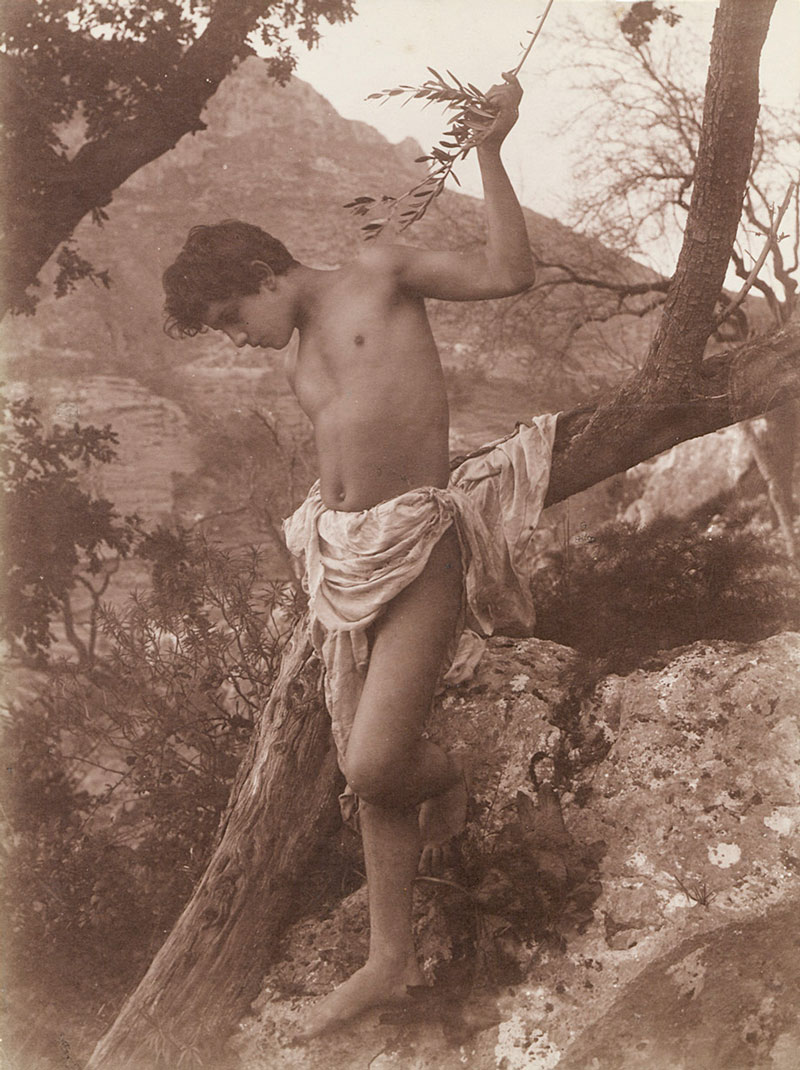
column 67, row 190
column 736, row 385
column 626, row 289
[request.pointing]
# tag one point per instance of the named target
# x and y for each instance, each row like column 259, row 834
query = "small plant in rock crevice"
column 696, row 891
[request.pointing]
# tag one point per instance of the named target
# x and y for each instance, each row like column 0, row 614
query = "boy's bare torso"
column 367, row 374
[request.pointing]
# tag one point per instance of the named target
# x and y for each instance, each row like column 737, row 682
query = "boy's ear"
column 266, row 272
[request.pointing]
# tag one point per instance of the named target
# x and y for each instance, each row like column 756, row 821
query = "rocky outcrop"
column 689, row 475
column 654, row 927
column 675, row 484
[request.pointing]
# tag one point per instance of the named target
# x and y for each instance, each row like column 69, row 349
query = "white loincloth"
column 355, row 563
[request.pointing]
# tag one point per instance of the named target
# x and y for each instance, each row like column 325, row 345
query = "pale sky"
column 392, row 42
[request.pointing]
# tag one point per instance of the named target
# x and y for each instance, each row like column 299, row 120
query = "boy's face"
column 263, row 319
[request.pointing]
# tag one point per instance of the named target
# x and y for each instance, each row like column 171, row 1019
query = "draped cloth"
column 354, row 563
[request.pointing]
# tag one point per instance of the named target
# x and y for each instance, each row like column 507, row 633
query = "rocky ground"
column 653, row 927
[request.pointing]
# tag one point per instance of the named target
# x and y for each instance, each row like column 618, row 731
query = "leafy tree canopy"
column 93, row 89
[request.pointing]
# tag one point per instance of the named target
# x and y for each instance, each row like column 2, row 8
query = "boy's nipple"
column 359, row 339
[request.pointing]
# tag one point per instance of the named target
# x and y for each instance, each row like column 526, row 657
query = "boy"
column 388, row 548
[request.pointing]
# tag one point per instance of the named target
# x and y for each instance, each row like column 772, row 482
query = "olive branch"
column 472, row 117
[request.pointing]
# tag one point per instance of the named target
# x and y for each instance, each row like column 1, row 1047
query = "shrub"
column 629, row 593
column 120, row 773
column 55, row 533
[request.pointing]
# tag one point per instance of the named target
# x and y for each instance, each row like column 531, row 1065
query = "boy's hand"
column 505, row 100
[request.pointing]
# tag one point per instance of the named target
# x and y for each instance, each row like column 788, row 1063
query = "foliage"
column 473, row 116
column 636, row 24
column 75, row 72
column 56, row 533
column 628, row 592
column 72, row 268
column 118, row 776
column 84, row 910
column 106, row 61
column 525, row 883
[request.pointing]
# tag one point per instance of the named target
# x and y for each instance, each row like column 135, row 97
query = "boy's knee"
column 376, row 779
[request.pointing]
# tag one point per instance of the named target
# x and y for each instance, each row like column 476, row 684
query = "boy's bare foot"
column 371, row 986
column 440, row 819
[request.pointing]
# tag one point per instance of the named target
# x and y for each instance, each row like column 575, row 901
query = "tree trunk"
column 207, row 972
column 282, row 806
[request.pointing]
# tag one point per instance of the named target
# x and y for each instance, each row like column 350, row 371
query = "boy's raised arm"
column 504, row 265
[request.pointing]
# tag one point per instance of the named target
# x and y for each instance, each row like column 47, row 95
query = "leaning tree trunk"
column 282, row 806
column 205, row 975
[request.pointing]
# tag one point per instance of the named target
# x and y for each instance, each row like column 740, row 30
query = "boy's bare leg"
column 393, row 770
column 391, row 850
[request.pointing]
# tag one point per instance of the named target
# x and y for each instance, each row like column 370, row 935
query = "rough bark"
column 205, row 974
column 598, row 440
column 724, row 153
column 282, row 805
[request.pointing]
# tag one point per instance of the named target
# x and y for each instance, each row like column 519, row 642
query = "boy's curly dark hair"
column 216, row 263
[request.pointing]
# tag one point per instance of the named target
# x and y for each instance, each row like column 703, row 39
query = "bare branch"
column 768, row 244
column 626, row 289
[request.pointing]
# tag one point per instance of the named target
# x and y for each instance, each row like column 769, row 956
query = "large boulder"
column 673, row 484
column 690, row 474
column 654, row 927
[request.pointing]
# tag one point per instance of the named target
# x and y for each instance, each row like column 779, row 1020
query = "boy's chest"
column 350, row 319
column 349, row 337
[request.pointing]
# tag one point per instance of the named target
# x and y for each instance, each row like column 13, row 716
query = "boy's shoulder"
column 383, row 258
column 387, row 265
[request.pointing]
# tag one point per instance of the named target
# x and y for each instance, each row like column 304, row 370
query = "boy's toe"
column 431, row 862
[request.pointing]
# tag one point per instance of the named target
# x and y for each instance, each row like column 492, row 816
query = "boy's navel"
column 359, row 339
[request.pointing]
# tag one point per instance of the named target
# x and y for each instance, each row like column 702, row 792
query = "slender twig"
column 772, row 237
column 532, row 41
column 450, row 884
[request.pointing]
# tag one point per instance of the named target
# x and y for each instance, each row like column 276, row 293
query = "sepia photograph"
column 400, row 536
